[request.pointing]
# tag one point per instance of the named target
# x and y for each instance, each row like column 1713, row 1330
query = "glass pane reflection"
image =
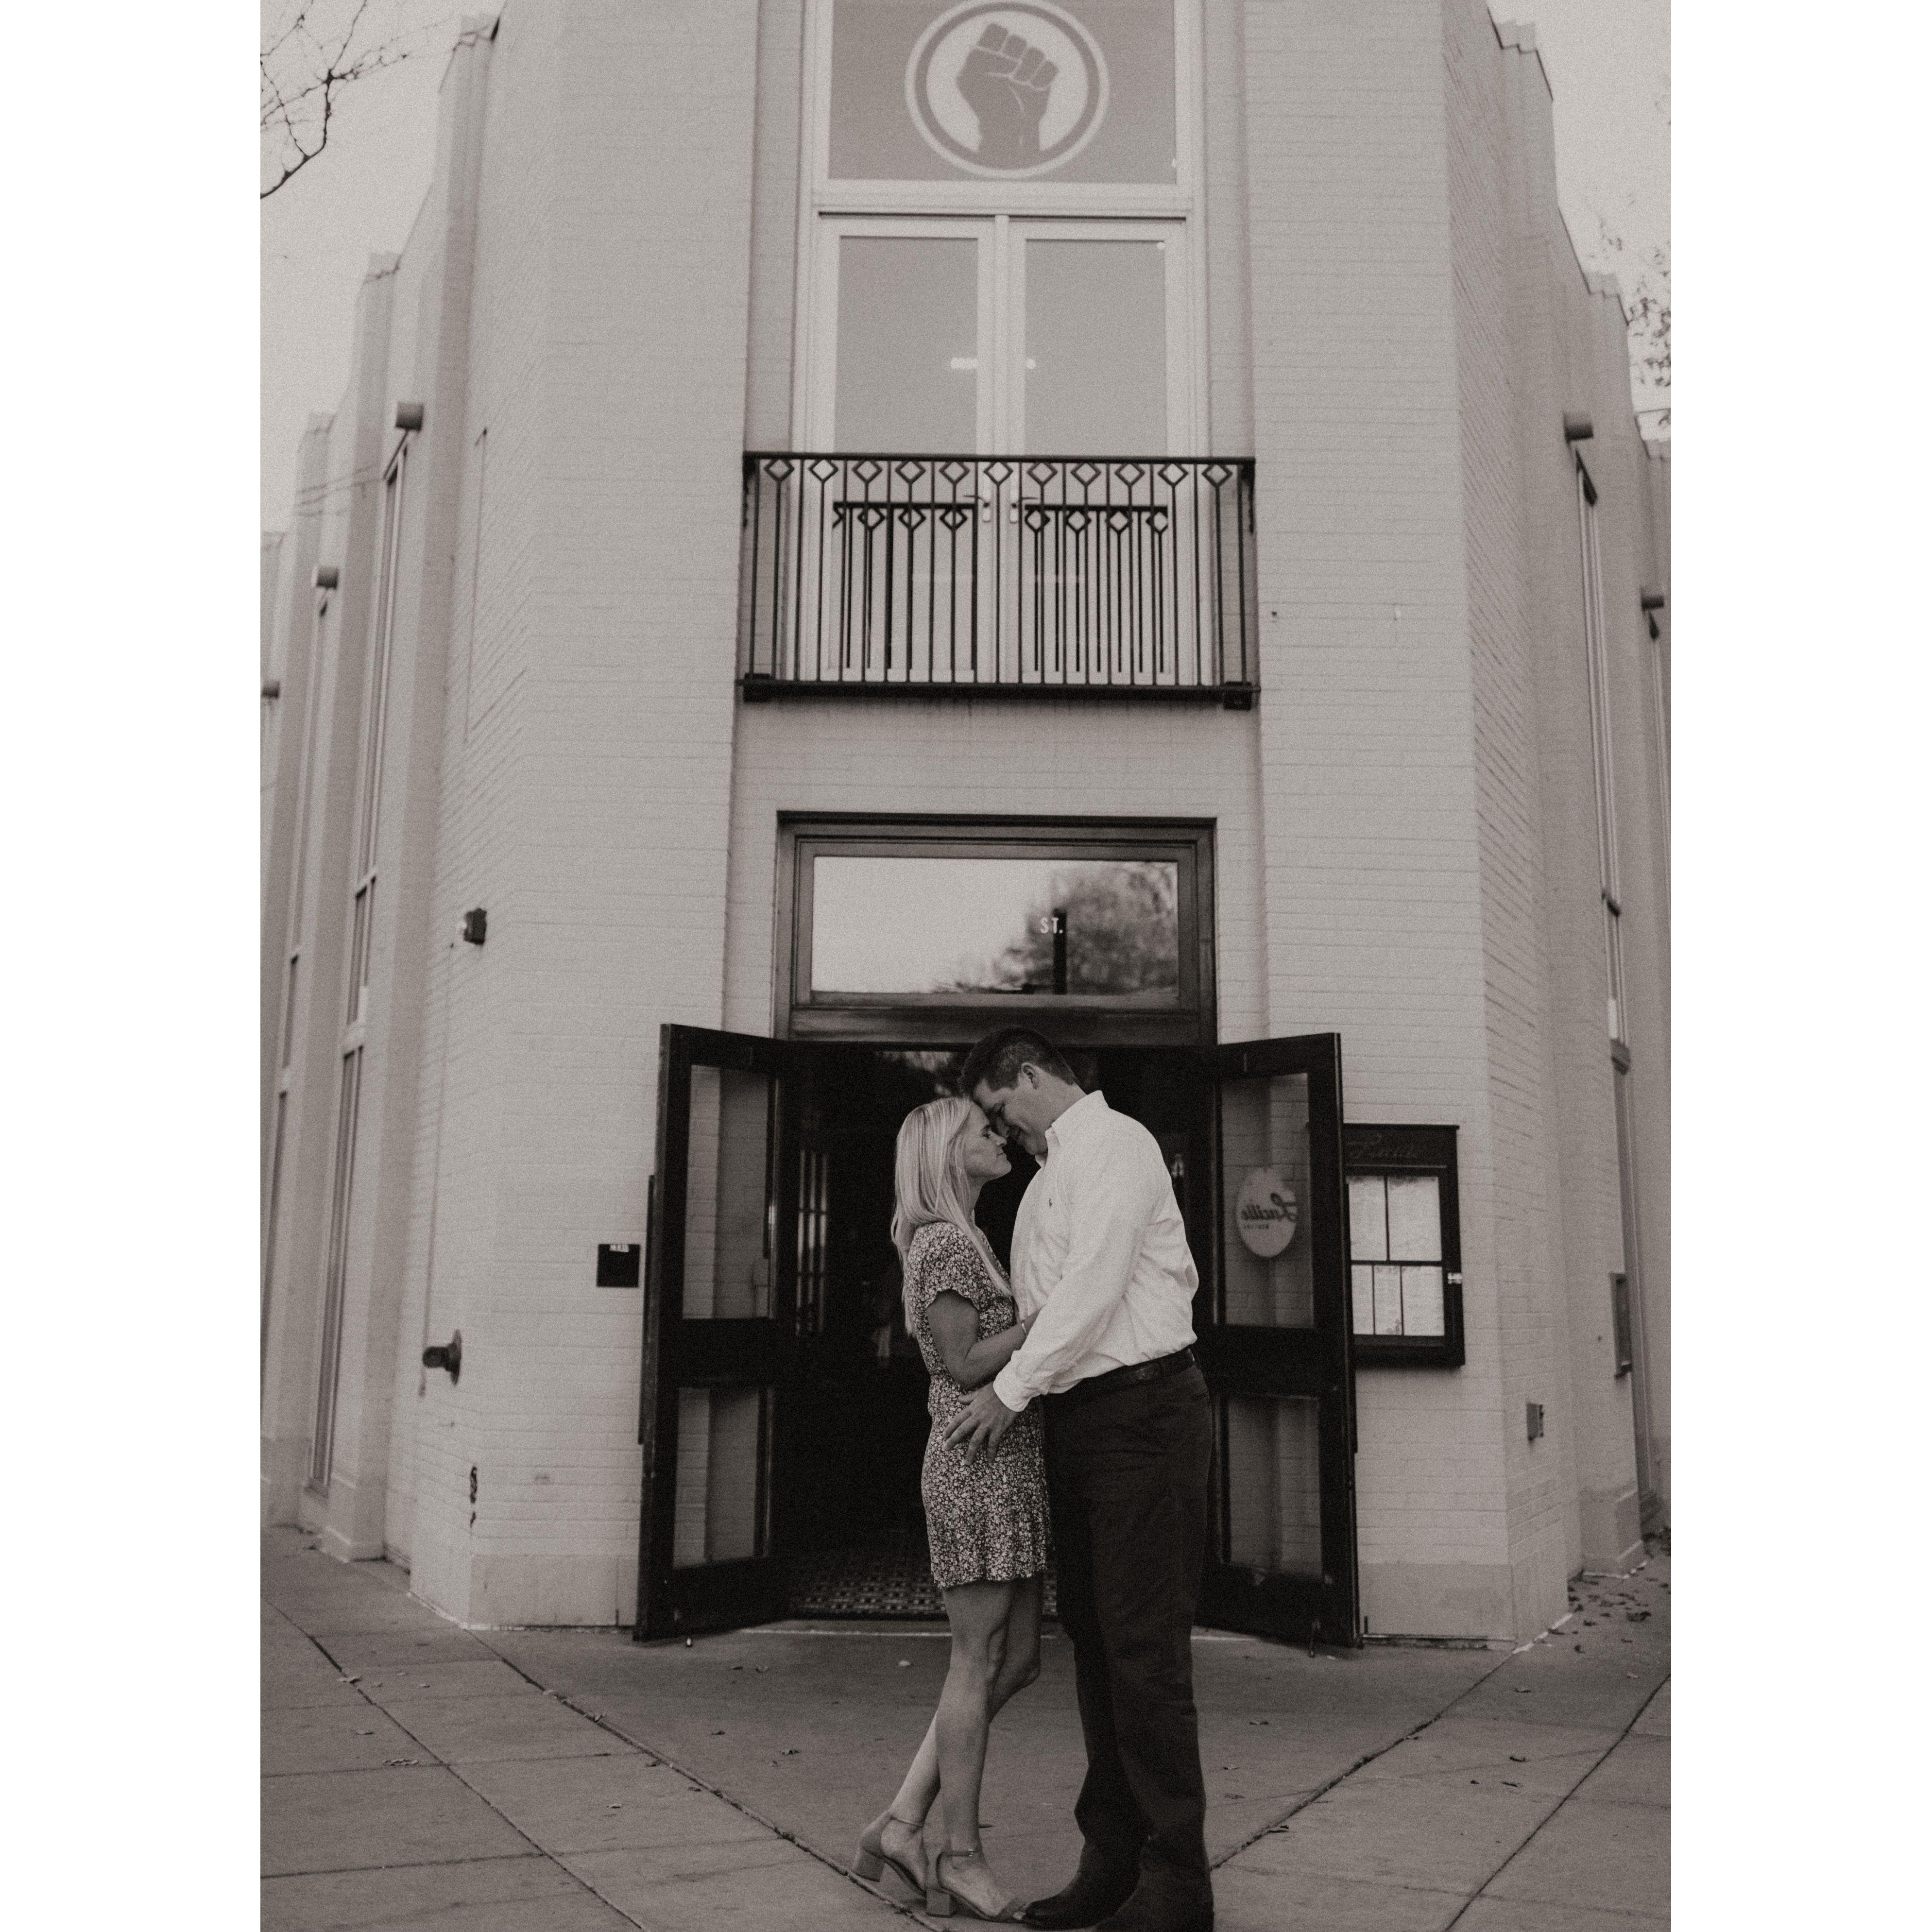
column 969, row 926
column 1265, row 1131
column 1272, row 1453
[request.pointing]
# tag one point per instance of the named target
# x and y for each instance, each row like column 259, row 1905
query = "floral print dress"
column 986, row 1519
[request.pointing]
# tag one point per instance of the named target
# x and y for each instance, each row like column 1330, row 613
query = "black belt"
column 1120, row 1378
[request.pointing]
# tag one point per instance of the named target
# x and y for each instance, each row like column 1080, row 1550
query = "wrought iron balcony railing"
column 1020, row 576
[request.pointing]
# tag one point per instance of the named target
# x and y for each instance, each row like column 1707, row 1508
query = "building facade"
column 853, row 520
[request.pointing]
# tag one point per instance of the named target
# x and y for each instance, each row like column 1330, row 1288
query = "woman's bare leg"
column 1019, row 1665
column 978, row 1613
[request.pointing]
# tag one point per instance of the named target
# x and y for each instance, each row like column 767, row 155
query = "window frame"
column 952, row 1019
column 1378, row 1147
column 821, row 198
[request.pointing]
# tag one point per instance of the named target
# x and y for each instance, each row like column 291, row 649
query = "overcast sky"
column 1609, row 63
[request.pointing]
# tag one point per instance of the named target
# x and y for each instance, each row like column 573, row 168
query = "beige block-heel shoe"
column 874, row 1854
column 962, row 1880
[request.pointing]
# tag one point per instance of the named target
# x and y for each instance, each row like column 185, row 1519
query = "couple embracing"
column 1068, row 1414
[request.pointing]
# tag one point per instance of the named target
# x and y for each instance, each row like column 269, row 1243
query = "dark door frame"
column 1316, row 1362
column 732, row 1353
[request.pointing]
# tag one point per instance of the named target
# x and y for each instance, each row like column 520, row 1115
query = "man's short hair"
column 997, row 1060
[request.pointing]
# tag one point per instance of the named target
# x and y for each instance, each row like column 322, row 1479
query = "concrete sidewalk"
column 415, row 1775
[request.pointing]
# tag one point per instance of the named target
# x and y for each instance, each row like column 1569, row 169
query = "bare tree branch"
column 1645, row 277
column 305, row 67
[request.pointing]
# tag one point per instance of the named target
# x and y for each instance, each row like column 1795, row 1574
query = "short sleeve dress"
column 985, row 1518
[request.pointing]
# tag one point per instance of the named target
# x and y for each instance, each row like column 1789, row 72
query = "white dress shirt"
column 1099, row 1254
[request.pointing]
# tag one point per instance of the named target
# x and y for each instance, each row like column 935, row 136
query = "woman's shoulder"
column 946, row 1254
column 937, row 1238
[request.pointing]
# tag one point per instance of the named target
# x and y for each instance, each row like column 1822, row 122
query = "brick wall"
column 1372, row 832
column 587, row 804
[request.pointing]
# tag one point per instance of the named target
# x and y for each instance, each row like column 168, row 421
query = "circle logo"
column 1009, row 89
column 1266, row 1212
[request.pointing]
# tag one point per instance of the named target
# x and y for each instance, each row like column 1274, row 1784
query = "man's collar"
column 1081, row 1115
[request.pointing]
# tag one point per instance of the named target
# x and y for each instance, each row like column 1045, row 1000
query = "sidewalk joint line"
column 1342, row 1777
column 410, row 1865
column 1536, row 1829
column 455, row 1771
column 692, row 1778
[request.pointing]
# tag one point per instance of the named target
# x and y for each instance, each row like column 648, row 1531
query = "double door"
column 958, row 337
column 737, row 1283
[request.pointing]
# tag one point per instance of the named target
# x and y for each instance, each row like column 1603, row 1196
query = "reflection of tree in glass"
column 1122, row 934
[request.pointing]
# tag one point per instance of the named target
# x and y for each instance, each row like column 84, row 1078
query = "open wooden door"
column 1273, row 1320
column 717, row 1332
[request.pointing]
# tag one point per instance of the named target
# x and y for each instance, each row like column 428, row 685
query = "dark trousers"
column 1127, row 1478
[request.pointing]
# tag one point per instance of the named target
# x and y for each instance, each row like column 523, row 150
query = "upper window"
column 995, row 925
column 934, row 930
column 1017, row 105
column 1003, row 91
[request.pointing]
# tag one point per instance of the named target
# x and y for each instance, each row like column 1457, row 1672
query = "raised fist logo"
column 1009, row 87
column 1007, row 82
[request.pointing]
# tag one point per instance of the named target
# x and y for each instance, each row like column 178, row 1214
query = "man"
column 1100, row 1255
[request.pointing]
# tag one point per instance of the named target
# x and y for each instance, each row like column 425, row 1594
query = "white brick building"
column 1348, row 654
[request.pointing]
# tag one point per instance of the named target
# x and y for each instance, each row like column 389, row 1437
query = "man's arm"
column 1113, row 1202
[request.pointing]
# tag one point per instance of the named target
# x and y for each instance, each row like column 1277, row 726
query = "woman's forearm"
column 985, row 1360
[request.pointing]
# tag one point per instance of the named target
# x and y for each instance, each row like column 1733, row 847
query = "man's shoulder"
column 1115, row 1130
column 1116, row 1140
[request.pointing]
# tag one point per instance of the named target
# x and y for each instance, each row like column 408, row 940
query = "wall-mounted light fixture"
column 1577, row 427
column 408, row 415
column 476, row 925
column 271, row 687
column 1533, row 1418
column 1650, row 599
column 327, row 576
column 447, row 1356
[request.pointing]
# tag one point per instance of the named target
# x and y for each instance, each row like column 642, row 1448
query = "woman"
column 986, row 1519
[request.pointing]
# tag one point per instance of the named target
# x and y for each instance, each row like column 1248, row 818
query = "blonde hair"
column 929, row 1184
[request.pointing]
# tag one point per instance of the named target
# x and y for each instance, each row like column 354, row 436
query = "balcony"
column 879, row 576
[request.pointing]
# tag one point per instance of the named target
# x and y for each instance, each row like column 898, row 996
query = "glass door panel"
column 728, row 1203
column 716, row 1318
column 908, row 345
column 1272, row 1449
column 723, row 1438
column 1093, row 379
column 1268, row 1280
